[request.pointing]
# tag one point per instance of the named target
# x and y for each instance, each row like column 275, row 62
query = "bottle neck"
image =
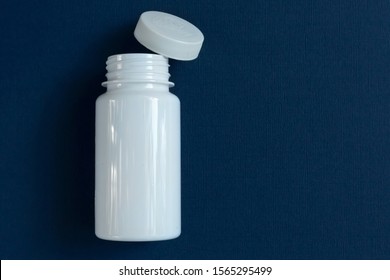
column 137, row 71
column 118, row 87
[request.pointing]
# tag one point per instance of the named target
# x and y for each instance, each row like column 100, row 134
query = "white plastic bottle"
column 137, row 173
column 137, row 151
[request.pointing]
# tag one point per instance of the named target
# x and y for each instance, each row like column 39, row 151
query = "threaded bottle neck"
column 137, row 68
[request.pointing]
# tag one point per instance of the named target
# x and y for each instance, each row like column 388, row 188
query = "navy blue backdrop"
column 285, row 128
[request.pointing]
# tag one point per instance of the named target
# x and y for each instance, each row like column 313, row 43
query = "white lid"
column 169, row 35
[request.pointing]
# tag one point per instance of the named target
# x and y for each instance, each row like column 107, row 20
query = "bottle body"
column 137, row 194
column 137, row 156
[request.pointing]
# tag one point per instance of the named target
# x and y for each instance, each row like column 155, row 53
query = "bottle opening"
column 137, row 68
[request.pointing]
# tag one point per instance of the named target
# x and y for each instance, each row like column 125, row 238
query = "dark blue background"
column 285, row 128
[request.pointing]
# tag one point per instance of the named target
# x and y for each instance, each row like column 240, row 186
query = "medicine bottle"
column 137, row 157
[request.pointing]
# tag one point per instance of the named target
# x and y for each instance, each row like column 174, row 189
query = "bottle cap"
column 169, row 35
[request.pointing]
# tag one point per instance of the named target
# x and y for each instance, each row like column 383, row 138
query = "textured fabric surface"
column 285, row 128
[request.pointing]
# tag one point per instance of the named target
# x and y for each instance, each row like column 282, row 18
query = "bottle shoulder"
column 128, row 95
